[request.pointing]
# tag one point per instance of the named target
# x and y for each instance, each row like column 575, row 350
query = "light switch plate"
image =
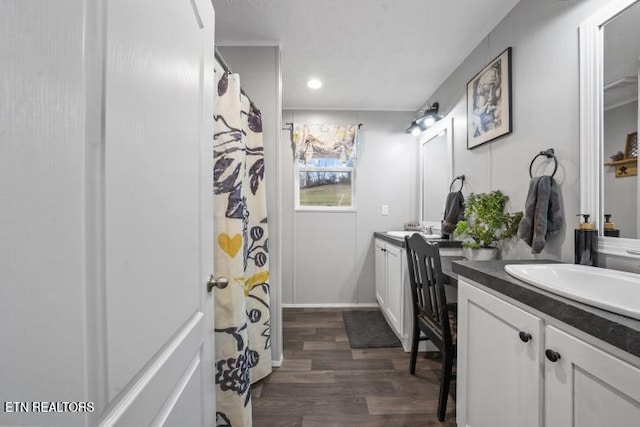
column 385, row 210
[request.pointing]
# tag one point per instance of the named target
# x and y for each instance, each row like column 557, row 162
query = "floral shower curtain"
column 242, row 317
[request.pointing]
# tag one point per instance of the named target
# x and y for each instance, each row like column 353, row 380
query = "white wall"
column 619, row 192
column 544, row 38
column 328, row 257
column 259, row 69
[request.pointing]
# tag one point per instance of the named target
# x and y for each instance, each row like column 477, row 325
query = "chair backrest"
column 427, row 285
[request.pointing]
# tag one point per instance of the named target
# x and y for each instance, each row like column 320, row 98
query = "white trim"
column 249, row 43
column 277, row 363
column 294, row 241
column 591, row 119
column 143, row 381
column 276, row 288
column 326, row 209
column 619, row 247
column 332, row 305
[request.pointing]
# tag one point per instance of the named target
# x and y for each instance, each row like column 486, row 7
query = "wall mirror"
column 436, row 170
column 609, row 70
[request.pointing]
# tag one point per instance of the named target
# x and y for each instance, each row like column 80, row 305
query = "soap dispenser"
column 586, row 243
column 610, row 229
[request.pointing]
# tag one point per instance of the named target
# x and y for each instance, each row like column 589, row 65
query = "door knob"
column 524, row 337
column 219, row 282
column 553, row 356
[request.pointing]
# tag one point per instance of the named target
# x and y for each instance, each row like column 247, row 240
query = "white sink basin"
column 611, row 290
column 409, row 233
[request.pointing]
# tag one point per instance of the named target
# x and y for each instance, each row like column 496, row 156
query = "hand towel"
column 453, row 211
column 542, row 213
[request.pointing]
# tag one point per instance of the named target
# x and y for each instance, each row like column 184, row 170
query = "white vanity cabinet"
column 390, row 278
column 393, row 289
column 514, row 369
column 499, row 362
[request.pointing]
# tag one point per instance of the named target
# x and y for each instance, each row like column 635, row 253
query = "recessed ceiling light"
column 314, row 84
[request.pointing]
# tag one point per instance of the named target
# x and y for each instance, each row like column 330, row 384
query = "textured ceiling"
column 370, row 54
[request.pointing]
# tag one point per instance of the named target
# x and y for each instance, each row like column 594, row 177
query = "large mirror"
column 436, row 170
column 609, row 70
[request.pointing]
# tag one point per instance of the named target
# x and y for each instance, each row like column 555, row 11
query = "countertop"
column 619, row 331
column 399, row 241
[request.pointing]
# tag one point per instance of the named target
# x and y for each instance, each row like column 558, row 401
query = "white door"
column 499, row 371
column 586, row 387
column 106, row 216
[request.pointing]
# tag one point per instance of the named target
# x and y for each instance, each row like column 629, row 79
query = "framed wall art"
column 489, row 102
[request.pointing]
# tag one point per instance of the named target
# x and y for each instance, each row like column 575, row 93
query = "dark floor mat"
column 368, row 329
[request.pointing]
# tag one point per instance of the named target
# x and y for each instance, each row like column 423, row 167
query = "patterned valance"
column 326, row 141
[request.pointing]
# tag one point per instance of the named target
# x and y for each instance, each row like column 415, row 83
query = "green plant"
column 486, row 223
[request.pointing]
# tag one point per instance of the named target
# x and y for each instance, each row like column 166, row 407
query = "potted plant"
column 486, row 224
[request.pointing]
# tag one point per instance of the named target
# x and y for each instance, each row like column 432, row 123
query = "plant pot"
column 482, row 254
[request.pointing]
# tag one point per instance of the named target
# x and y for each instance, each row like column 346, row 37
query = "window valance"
column 325, row 141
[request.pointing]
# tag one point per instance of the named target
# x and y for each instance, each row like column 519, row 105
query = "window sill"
column 326, row 209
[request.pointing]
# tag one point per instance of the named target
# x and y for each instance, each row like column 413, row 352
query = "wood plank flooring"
column 323, row 382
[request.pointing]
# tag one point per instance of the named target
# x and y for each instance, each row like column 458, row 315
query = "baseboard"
column 277, row 363
column 332, row 305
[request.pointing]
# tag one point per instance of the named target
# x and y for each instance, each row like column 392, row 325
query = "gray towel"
column 453, row 211
column 542, row 213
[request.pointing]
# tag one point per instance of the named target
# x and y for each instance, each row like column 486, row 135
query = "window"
column 324, row 167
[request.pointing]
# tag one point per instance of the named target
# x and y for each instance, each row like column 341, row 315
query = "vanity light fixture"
column 414, row 129
column 314, row 83
column 426, row 119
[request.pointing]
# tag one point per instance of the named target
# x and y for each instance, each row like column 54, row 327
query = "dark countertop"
column 399, row 241
column 619, row 331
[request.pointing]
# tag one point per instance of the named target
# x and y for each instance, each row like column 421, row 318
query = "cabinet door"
column 587, row 387
column 499, row 374
column 394, row 287
column 381, row 272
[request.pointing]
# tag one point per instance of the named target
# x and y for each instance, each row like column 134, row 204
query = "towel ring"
column 461, row 178
column 549, row 155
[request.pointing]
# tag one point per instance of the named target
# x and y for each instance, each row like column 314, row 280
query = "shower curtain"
column 242, row 317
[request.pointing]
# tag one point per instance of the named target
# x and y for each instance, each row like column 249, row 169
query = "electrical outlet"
column 385, row 210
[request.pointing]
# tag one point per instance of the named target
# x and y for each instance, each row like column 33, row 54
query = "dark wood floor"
column 323, row 382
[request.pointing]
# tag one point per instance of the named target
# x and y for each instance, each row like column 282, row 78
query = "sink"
column 401, row 234
column 611, row 290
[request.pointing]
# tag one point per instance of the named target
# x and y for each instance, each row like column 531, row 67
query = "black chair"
column 432, row 315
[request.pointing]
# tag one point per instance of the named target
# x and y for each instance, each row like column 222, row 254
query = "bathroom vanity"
column 392, row 281
column 527, row 357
